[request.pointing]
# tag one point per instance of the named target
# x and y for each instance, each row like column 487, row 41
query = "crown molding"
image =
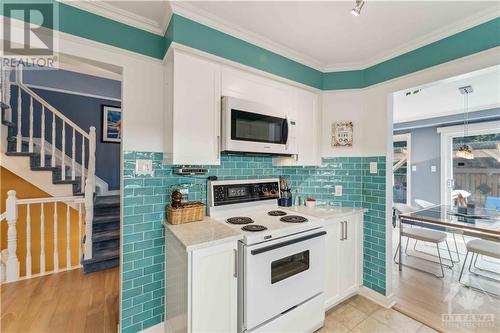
column 117, row 14
column 472, row 21
column 187, row 10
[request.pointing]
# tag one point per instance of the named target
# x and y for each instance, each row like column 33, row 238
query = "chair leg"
column 406, row 246
column 463, row 266
column 475, row 261
column 440, row 261
column 396, row 252
column 456, row 248
column 471, row 260
column 449, row 253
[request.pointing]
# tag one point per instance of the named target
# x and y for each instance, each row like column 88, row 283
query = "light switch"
column 373, row 167
column 413, row 168
column 433, row 168
column 338, row 190
column 144, row 167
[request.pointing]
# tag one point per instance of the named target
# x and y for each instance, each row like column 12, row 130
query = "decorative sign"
column 342, row 134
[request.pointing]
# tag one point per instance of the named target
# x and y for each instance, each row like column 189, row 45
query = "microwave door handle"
column 284, row 132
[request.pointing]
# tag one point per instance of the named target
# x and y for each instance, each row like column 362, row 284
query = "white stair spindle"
column 30, row 142
column 56, row 246
column 79, row 231
column 42, row 239
column 42, row 139
column 53, row 157
column 63, row 151
column 89, row 216
column 82, row 186
column 68, row 247
column 73, row 158
column 28, row 241
column 19, row 137
column 12, row 265
column 91, row 168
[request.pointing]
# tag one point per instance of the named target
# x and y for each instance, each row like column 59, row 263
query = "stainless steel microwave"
column 250, row 127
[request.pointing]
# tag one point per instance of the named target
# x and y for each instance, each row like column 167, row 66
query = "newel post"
column 91, row 168
column 12, row 266
column 89, row 216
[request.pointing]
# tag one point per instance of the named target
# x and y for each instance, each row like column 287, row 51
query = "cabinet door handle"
column 345, row 229
column 235, row 263
column 342, row 231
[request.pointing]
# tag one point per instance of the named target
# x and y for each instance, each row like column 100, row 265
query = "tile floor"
column 360, row 315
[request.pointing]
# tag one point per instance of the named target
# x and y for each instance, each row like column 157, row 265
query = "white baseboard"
column 158, row 328
column 385, row 301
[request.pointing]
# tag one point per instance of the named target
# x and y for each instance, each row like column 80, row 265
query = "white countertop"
column 326, row 213
column 201, row 234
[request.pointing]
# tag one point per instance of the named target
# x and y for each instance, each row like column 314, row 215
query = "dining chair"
column 484, row 248
column 426, row 204
column 425, row 235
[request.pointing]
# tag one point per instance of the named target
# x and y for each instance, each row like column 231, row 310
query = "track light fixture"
column 356, row 11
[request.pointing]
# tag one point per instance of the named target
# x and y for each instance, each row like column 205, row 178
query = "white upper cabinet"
column 192, row 117
column 307, row 110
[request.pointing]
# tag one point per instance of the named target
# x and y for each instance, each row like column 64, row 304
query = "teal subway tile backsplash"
column 145, row 198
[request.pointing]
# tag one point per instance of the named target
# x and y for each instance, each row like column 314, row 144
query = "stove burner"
column 293, row 219
column 254, row 227
column 239, row 220
column 276, row 213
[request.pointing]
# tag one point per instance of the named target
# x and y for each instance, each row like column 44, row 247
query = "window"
column 289, row 266
column 401, row 176
column 478, row 179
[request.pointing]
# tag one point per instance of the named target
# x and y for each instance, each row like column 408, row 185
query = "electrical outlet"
column 433, row 168
column 373, row 167
column 413, row 168
column 338, row 190
column 144, row 167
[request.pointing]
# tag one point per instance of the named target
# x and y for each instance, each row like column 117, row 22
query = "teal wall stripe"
column 193, row 34
column 201, row 37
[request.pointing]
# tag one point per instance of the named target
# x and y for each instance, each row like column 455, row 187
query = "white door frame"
column 405, row 137
column 447, row 135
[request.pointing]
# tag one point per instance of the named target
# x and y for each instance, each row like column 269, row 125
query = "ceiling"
column 321, row 34
column 443, row 98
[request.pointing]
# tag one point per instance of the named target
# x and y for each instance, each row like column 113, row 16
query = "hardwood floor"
column 64, row 302
column 427, row 298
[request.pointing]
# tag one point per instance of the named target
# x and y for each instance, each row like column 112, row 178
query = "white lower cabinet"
column 343, row 258
column 201, row 288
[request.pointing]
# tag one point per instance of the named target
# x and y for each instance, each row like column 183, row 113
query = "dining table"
column 473, row 222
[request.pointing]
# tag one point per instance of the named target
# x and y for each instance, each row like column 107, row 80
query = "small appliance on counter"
column 286, row 195
column 181, row 211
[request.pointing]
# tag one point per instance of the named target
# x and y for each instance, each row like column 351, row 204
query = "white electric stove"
column 281, row 257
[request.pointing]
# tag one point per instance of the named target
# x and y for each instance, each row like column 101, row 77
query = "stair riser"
column 106, row 226
column 100, row 211
column 106, row 245
column 102, row 265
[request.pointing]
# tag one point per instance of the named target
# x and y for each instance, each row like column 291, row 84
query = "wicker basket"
column 188, row 212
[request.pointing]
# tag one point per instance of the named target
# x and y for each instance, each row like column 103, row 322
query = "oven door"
column 281, row 274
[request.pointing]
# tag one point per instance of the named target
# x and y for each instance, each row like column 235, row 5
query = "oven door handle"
column 286, row 243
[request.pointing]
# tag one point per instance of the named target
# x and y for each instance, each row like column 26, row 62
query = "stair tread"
column 40, row 168
column 105, row 235
column 8, row 123
column 106, row 218
column 103, row 200
column 67, row 181
column 102, row 255
column 4, row 106
column 22, row 153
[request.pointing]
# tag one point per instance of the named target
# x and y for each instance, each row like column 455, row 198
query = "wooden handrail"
column 73, row 199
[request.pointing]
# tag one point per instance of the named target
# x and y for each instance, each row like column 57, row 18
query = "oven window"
column 248, row 126
column 289, row 266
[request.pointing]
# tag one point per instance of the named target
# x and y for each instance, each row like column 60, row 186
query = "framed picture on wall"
column 342, row 134
column 111, row 124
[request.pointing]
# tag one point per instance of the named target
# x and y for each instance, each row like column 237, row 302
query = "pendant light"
column 356, row 11
column 465, row 151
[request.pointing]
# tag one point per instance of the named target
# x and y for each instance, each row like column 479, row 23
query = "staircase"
column 105, row 234
column 101, row 241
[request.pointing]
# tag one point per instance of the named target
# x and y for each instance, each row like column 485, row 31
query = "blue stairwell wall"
column 143, row 259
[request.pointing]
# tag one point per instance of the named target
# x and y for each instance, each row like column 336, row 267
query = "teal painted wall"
column 145, row 198
column 193, row 34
